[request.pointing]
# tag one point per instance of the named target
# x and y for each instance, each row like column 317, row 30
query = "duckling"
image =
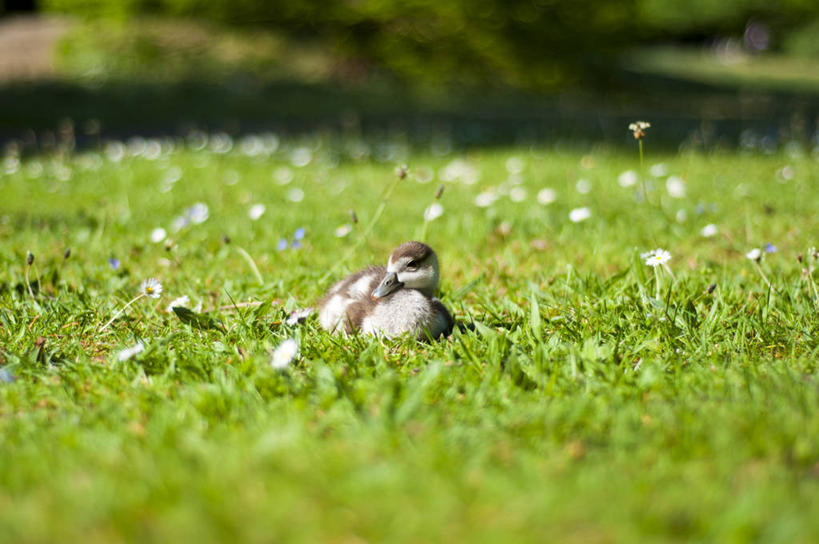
column 390, row 300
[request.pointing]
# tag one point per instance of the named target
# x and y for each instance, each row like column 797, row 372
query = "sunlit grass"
column 583, row 397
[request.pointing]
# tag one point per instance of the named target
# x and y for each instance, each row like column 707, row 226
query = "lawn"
column 584, row 397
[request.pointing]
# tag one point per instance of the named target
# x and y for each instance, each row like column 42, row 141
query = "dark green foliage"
column 489, row 43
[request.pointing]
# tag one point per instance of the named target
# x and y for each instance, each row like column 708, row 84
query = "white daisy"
column 658, row 170
column 433, row 212
column 546, row 196
column 179, row 302
column 284, row 354
column 198, row 213
column 656, row 257
column 256, row 211
column 755, row 254
column 343, row 230
column 675, row 187
column 283, row 175
column 517, row 194
column 301, row 156
column 295, row 195
column 583, row 186
column 579, row 214
column 709, row 230
column 158, row 234
column 627, row 178
column 151, row 288
column 127, row 353
column 485, row 199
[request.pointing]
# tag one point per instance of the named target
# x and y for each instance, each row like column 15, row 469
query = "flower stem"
column 764, row 277
column 368, row 229
column 657, row 283
column 119, row 312
column 28, row 283
column 424, row 230
column 252, row 265
column 640, row 144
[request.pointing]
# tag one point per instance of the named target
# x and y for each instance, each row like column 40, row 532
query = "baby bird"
column 390, row 300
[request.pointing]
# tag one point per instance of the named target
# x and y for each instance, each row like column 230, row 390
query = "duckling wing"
column 356, row 288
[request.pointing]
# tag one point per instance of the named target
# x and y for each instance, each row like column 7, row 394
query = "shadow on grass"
column 680, row 112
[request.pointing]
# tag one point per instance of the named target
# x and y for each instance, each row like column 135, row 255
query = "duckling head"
column 412, row 265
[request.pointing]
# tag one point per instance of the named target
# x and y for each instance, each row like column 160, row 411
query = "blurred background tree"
column 529, row 44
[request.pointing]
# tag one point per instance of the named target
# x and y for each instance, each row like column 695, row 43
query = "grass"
column 571, row 405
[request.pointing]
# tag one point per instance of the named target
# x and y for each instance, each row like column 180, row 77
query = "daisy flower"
column 433, row 212
column 709, row 230
column 151, row 288
column 284, row 354
column 158, row 234
column 179, row 302
column 343, row 230
column 638, row 128
column 627, row 178
column 127, row 353
column 546, row 196
column 198, row 213
column 256, row 211
column 579, row 214
column 755, row 254
column 656, row 257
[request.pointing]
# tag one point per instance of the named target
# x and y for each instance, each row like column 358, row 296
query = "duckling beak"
column 389, row 284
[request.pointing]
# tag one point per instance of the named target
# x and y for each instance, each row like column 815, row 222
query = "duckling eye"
column 412, row 265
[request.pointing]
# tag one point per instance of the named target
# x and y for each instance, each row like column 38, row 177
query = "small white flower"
column 485, row 199
column 433, row 212
column 709, row 230
column 158, row 234
column 256, row 211
column 283, row 175
column 546, row 196
column 579, row 214
column 284, row 354
column 658, row 170
column 639, row 129
column 424, row 174
column 301, row 156
column 295, row 195
column 755, row 254
column 517, row 194
column 179, row 223
column 514, row 165
column 151, row 288
column 656, row 257
column 583, row 186
column 343, row 230
column 627, row 178
column 179, row 302
column 785, row 173
column 127, row 353
column 198, row 213
column 675, row 187
column 459, row 170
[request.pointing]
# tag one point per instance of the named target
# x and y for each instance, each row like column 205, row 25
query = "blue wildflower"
column 299, row 234
column 114, row 262
column 770, row 248
column 282, row 245
column 6, row 376
column 296, row 244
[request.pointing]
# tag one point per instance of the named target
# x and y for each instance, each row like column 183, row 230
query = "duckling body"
column 391, row 300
